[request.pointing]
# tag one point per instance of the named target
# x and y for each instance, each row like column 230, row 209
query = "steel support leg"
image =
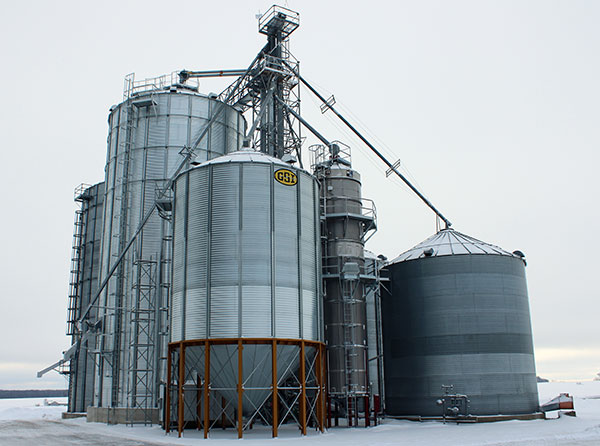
column 180, row 402
column 206, row 388
column 240, row 390
column 168, row 392
column 302, row 389
column 275, row 396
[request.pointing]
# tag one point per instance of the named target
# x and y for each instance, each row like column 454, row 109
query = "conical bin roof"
column 449, row 242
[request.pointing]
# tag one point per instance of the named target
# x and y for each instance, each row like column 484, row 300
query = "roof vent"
column 287, row 158
column 521, row 255
column 428, row 252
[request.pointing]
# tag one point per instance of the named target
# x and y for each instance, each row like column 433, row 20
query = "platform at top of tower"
column 278, row 19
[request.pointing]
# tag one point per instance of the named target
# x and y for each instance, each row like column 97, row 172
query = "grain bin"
column 246, row 288
column 147, row 133
column 458, row 315
column 85, row 267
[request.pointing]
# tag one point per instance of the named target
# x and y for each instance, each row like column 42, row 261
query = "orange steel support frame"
column 180, row 403
column 318, row 409
column 274, row 397
column 206, row 388
column 168, row 403
column 240, row 388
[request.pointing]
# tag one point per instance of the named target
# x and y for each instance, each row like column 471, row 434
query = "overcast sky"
column 493, row 108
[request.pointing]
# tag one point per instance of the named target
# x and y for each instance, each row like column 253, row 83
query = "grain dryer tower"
column 348, row 220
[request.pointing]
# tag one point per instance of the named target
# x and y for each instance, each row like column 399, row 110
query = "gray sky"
column 492, row 106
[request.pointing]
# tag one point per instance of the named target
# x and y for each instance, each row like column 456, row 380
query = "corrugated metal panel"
column 180, row 105
column 157, row 131
column 256, row 250
column 309, row 232
column 200, row 108
column 225, row 209
column 238, row 241
column 256, row 311
column 287, row 313
column 197, row 256
column 178, row 131
column 287, row 299
column 195, row 313
column 448, row 322
column 224, row 314
column 179, row 255
column 197, row 126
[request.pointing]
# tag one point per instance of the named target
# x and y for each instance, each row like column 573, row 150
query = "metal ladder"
column 142, row 344
column 74, row 278
column 124, row 146
column 349, row 340
column 162, row 314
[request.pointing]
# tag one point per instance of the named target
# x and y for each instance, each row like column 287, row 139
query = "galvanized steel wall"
column 246, row 252
column 459, row 320
column 146, row 135
column 81, row 385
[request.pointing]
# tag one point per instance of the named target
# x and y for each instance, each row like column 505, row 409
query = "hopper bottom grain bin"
column 245, row 312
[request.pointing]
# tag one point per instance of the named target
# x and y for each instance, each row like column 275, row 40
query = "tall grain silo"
column 85, row 267
column 245, row 312
column 458, row 315
column 148, row 135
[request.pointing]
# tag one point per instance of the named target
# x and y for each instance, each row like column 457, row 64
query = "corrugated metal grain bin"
column 246, row 265
column 458, row 314
column 147, row 133
column 82, row 366
column 246, row 254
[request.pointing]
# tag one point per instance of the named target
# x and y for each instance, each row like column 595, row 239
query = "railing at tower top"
column 324, row 156
column 79, row 192
column 278, row 18
column 333, row 267
column 359, row 209
column 133, row 87
column 363, row 208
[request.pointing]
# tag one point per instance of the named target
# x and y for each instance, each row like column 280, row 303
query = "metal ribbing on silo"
column 344, row 300
column 146, row 135
column 82, row 373
column 460, row 319
column 256, row 273
column 247, row 259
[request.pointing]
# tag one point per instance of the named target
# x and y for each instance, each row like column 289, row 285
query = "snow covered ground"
column 24, row 423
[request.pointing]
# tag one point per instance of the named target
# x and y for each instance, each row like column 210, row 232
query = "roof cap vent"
column 428, row 252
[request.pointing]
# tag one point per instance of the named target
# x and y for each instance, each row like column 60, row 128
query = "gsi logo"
column 286, row 177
